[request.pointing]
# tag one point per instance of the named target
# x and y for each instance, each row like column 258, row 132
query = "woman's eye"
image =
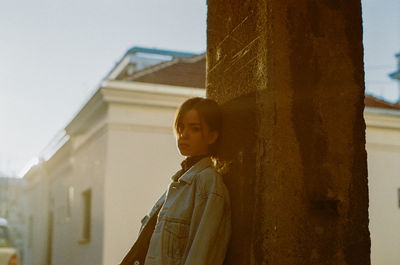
column 196, row 129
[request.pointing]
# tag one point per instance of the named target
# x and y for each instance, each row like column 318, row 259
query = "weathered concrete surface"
column 290, row 77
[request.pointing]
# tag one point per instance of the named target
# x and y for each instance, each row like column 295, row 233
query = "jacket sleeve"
column 210, row 226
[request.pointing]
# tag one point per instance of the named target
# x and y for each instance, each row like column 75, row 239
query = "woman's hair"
column 208, row 111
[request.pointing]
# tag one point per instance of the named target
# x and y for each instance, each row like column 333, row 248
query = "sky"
column 381, row 22
column 53, row 55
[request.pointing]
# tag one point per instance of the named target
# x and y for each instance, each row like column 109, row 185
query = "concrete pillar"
column 289, row 75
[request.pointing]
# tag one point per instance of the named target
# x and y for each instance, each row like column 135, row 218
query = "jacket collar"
column 196, row 168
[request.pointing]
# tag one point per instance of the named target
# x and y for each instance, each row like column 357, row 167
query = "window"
column 398, row 196
column 70, row 200
column 30, row 232
column 86, row 216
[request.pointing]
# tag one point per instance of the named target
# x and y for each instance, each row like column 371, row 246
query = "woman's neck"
column 191, row 160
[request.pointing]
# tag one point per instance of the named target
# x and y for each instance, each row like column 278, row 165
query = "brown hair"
column 209, row 112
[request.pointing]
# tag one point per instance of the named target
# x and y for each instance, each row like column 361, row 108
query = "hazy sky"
column 53, row 54
column 381, row 43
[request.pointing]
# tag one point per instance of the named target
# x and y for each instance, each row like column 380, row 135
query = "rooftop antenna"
column 396, row 76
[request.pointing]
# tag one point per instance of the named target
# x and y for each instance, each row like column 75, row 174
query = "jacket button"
column 136, row 262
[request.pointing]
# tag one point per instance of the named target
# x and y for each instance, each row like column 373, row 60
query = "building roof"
column 371, row 101
column 187, row 72
column 145, row 57
column 175, row 54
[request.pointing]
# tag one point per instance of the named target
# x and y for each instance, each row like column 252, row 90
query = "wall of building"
column 78, row 166
column 36, row 196
column 141, row 158
column 89, row 163
column 63, row 235
column 383, row 147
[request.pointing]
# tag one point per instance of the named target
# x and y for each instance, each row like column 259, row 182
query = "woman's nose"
column 183, row 133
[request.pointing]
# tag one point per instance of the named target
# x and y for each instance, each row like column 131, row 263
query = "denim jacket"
column 194, row 224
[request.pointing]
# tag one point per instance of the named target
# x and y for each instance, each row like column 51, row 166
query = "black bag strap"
column 139, row 250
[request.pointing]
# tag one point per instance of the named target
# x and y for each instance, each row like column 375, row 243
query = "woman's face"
column 193, row 136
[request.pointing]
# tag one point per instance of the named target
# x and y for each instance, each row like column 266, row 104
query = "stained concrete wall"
column 289, row 76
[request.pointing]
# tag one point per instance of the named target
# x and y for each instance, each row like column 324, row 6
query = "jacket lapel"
column 196, row 168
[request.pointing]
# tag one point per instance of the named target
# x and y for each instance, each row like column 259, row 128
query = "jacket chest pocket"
column 176, row 236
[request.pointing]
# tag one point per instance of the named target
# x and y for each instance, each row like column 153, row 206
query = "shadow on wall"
column 237, row 150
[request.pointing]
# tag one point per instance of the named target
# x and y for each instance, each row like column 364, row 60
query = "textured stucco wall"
column 290, row 79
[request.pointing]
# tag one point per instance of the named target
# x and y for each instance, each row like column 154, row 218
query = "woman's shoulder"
column 209, row 174
column 209, row 180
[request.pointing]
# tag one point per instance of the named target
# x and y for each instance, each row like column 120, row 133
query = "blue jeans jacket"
column 194, row 223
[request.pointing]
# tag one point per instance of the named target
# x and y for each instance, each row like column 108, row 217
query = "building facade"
column 103, row 174
column 383, row 150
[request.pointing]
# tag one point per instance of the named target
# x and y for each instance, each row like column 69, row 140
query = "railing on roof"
column 175, row 54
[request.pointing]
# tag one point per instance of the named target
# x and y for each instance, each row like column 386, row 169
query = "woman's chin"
column 184, row 152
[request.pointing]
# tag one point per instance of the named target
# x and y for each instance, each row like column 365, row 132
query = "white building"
column 103, row 174
column 383, row 147
column 37, row 216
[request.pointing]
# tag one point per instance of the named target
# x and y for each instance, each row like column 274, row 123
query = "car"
column 8, row 252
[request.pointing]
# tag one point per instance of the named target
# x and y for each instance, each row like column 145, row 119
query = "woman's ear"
column 212, row 137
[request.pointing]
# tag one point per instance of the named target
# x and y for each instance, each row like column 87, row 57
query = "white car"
column 8, row 252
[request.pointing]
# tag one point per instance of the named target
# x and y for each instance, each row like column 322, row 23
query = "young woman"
column 190, row 223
